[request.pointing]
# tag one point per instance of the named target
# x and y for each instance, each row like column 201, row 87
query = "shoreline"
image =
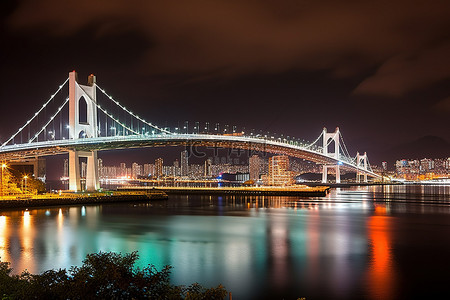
column 258, row 191
column 82, row 199
column 144, row 194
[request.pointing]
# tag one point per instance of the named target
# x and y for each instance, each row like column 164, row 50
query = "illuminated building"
column 123, row 169
column 176, row 168
column 279, row 173
column 99, row 167
column 207, row 171
column 66, row 168
column 149, row 170
column 159, row 167
column 184, row 163
column 136, row 170
column 254, row 165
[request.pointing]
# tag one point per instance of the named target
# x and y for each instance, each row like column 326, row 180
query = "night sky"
column 380, row 70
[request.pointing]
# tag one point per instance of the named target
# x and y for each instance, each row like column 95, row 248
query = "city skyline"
column 271, row 169
column 381, row 94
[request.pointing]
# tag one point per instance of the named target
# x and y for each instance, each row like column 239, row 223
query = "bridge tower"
column 334, row 137
column 82, row 124
column 361, row 162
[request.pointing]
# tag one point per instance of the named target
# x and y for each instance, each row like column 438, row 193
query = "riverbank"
column 350, row 184
column 302, row 191
column 81, row 199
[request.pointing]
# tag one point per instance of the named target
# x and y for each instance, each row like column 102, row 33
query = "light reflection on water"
column 367, row 242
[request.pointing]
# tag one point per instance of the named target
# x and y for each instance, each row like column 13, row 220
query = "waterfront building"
column 195, row 171
column 254, row 166
column 176, row 168
column 149, row 170
column 136, row 170
column 159, row 167
column 279, row 173
column 207, row 169
column 66, row 168
column 123, row 170
column 184, row 163
column 100, row 167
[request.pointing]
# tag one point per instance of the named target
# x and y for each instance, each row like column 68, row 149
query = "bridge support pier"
column 82, row 124
column 92, row 181
column 325, row 173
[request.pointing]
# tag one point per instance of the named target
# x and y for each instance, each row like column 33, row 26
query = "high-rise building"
column 176, row 168
column 254, row 165
column 66, row 168
column 184, row 163
column 149, row 170
column 279, row 173
column 123, row 170
column 159, row 167
column 207, row 171
column 136, row 170
column 100, row 167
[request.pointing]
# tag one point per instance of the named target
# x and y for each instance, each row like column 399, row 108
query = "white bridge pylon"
column 82, row 124
column 327, row 139
column 361, row 163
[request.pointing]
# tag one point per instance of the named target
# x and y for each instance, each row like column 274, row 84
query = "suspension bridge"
column 88, row 120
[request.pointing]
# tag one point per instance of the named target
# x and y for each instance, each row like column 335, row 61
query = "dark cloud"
column 408, row 72
column 403, row 40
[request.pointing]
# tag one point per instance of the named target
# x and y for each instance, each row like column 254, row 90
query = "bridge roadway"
column 30, row 150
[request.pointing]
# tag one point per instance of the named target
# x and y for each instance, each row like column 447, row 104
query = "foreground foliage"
column 103, row 275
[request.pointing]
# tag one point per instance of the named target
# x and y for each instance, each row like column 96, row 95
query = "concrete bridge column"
column 338, row 174
column 82, row 124
column 74, row 171
column 324, row 174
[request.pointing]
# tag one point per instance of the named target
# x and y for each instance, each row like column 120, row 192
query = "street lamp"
column 24, row 179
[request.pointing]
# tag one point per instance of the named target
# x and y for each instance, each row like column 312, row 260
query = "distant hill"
column 424, row 147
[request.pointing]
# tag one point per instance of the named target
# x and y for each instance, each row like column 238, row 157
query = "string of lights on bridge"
column 129, row 130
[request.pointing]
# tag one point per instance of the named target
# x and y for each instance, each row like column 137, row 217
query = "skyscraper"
column 100, row 167
column 207, row 171
column 176, row 167
column 159, row 167
column 66, row 168
column 149, row 170
column 136, row 170
column 123, row 170
column 184, row 163
column 254, row 166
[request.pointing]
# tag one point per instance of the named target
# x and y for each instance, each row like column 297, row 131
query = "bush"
column 103, row 275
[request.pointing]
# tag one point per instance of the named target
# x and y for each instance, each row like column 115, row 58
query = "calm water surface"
column 362, row 243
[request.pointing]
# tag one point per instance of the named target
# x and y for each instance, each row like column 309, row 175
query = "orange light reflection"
column 381, row 273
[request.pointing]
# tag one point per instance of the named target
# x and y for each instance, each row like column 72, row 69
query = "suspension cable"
column 310, row 145
column 35, row 115
column 111, row 116
column 51, row 119
column 131, row 113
